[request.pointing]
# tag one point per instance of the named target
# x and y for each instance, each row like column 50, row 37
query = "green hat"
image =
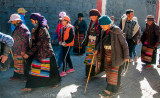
column 104, row 20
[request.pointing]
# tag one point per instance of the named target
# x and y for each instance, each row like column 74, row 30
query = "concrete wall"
column 51, row 8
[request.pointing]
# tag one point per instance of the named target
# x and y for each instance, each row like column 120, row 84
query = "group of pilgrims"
column 107, row 47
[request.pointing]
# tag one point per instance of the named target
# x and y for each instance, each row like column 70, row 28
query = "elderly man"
column 21, row 36
column 21, row 12
column 6, row 42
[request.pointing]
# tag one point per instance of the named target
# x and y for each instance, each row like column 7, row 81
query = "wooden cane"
column 11, row 53
column 89, row 73
column 78, row 42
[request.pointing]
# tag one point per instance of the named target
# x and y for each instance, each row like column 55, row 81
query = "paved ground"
column 138, row 83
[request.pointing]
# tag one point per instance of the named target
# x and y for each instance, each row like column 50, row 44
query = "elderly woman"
column 92, row 42
column 114, row 50
column 150, row 42
column 44, row 70
column 21, row 36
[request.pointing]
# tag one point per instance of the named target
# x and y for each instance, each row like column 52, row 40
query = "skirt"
column 96, row 68
column 43, row 73
column 78, row 48
column 113, row 73
column 18, row 66
column 148, row 54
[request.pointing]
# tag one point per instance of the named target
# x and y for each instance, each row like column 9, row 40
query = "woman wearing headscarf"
column 44, row 70
column 92, row 42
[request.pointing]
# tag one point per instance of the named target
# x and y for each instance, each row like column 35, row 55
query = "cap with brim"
column 66, row 18
column 150, row 18
column 14, row 17
column 21, row 10
column 62, row 15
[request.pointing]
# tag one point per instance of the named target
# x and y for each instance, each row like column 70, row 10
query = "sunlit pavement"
column 138, row 83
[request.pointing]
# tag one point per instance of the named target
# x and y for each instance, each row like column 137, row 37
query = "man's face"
column 149, row 22
column 80, row 18
column 130, row 16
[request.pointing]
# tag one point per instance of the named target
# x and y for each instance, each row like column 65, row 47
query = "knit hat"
column 66, row 18
column 62, row 15
column 94, row 12
column 14, row 17
column 80, row 15
column 150, row 18
column 104, row 20
column 21, row 10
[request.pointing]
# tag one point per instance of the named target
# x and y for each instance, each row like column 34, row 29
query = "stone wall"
column 51, row 8
column 141, row 7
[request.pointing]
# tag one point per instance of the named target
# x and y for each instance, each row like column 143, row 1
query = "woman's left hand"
column 25, row 56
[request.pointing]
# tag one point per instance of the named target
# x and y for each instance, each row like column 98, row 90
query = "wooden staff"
column 89, row 73
column 79, row 42
column 125, row 68
column 11, row 53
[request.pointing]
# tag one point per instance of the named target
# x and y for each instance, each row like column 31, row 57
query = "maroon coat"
column 98, row 35
column 21, row 36
column 41, row 48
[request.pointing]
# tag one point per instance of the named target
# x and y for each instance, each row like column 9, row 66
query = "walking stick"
column 89, row 73
column 125, row 68
column 11, row 53
column 78, row 42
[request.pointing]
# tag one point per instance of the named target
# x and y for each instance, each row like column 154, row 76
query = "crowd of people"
column 107, row 47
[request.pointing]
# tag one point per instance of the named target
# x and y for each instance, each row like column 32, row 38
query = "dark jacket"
column 41, row 48
column 98, row 35
column 119, row 46
column 151, row 33
column 82, row 27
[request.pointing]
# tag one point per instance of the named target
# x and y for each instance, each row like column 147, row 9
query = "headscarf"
column 39, row 18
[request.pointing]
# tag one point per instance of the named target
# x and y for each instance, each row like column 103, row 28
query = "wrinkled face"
column 94, row 18
column 64, row 22
column 105, row 27
column 14, row 22
column 149, row 23
column 80, row 18
column 130, row 16
column 34, row 21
